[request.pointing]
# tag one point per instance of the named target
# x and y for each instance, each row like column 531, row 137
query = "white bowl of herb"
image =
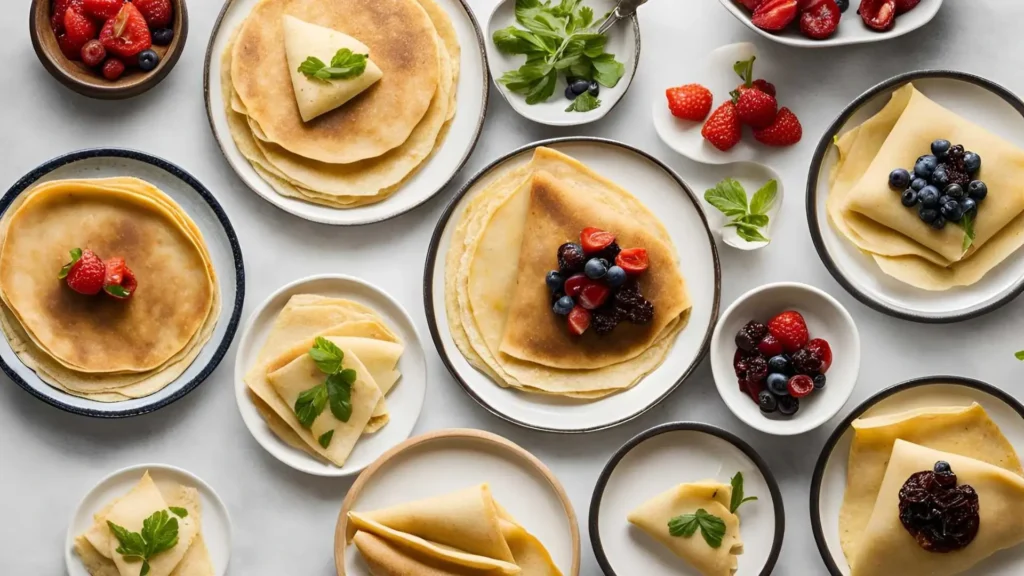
column 538, row 49
column 745, row 205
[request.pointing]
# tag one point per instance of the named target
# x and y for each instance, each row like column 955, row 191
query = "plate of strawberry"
column 109, row 48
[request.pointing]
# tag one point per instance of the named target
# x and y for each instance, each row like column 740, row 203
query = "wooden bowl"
column 90, row 82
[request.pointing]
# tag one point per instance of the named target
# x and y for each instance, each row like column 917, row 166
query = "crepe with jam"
column 868, row 213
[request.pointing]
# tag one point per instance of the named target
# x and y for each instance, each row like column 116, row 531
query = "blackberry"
column 749, row 336
column 609, row 253
column 806, row 362
column 956, row 153
column 571, row 258
column 958, row 175
column 757, row 369
column 633, row 305
column 605, row 319
column 642, row 313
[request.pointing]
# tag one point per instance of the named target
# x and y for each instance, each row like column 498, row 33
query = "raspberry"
column 113, row 69
column 571, row 258
column 93, row 53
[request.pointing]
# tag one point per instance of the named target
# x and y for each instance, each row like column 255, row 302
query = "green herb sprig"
column 737, row 493
column 749, row 219
column 345, row 64
column 335, row 392
column 159, row 534
column 556, row 38
column 712, row 528
column 968, row 225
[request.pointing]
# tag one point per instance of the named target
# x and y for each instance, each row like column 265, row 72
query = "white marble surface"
column 284, row 519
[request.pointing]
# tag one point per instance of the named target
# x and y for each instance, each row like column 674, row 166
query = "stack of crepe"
column 284, row 369
column 499, row 307
column 97, row 547
column 465, row 533
column 350, row 142
column 97, row 347
column 863, row 208
column 888, row 449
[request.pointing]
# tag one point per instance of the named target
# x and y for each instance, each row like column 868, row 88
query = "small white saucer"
column 661, row 458
column 404, row 401
column 826, row 318
column 216, row 524
column 752, row 176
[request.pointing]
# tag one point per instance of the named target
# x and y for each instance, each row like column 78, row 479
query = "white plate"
column 216, row 524
column 978, row 100
column 437, row 171
column 828, row 484
column 221, row 242
column 665, row 194
column 661, row 458
column 826, row 318
column 404, row 401
column 852, row 29
column 623, row 42
column 444, row 461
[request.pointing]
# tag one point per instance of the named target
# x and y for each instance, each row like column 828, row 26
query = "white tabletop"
column 284, row 520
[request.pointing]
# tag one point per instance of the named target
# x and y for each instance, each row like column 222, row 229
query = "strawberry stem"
column 745, row 69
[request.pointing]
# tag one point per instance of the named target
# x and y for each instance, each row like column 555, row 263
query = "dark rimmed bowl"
column 778, row 526
column 89, row 82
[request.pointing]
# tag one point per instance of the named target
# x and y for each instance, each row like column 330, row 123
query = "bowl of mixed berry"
column 109, row 48
column 785, row 357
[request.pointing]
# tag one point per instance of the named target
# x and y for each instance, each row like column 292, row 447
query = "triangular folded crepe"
column 964, row 430
column 316, row 97
column 886, row 547
column 387, row 558
column 653, row 517
column 556, row 214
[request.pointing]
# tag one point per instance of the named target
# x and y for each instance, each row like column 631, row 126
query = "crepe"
column 388, row 559
column 863, row 208
column 94, row 346
column 964, row 430
column 480, row 284
column 886, row 547
column 715, row 498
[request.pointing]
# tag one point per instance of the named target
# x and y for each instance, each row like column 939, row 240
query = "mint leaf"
column 1019, row 355
column 512, row 40
column 118, row 291
column 968, row 225
column 712, row 528
column 178, row 511
column 345, row 64
column 607, row 70
column 737, row 493
column 310, row 404
column 748, row 232
column 764, row 198
column 339, row 391
column 76, row 255
column 325, row 439
column 159, row 534
column 729, row 197
column 758, row 220
column 685, row 525
column 327, row 355
column 584, row 103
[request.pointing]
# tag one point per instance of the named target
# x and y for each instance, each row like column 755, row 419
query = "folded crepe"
column 715, row 498
column 964, row 430
column 886, row 547
column 465, row 532
column 863, row 207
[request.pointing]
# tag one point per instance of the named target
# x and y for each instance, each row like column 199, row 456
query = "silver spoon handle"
column 613, row 18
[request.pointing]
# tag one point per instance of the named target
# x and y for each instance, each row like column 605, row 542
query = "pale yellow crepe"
column 315, row 96
column 886, row 547
column 713, row 497
column 386, row 558
column 965, row 430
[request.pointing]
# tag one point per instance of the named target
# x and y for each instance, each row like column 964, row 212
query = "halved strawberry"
column 751, row 4
column 102, row 9
column 595, row 239
column 574, row 284
column 820, row 20
column 633, row 260
column 594, row 295
column 774, row 15
column 127, row 34
column 579, row 320
column 119, row 281
column 904, row 6
column 79, row 29
column 879, row 15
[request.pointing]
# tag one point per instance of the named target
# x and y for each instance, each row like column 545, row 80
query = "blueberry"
column 977, row 190
column 788, row 405
column 909, row 197
column 579, row 86
column 968, row 205
column 954, row 191
column 819, row 381
column 563, row 305
column 777, row 384
column 595, row 268
column 778, row 365
column 942, row 467
column 918, row 184
column 163, row 36
column 844, row 5
column 940, row 177
column 943, row 200
column 569, row 94
column 594, row 88
column 899, row 179
column 929, row 196
column 766, row 400
column 972, row 163
column 941, row 147
column 148, row 60
column 554, row 280
column 939, row 223
column 928, row 214
column 951, row 210
column 616, row 277
column 925, row 166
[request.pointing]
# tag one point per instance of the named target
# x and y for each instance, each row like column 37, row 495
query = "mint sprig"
column 584, row 103
column 749, row 218
column 335, row 391
column 159, row 534
column 712, row 528
column 737, row 493
column 345, row 64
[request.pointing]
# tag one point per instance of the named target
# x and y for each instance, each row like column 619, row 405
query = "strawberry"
column 156, row 12
column 126, row 34
column 760, row 84
column 769, row 346
column 723, row 129
column 774, row 15
column 790, row 329
column 751, row 4
column 745, row 70
column 595, row 239
column 820, row 20
column 785, row 131
column 113, row 69
column 594, row 295
column 633, row 260
column 821, row 348
column 755, row 108
column 878, row 15
column 904, row 6
column 118, row 279
column 85, row 273
column 690, row 102
column 579, row 320
column 79, row 29
column 102, row 9
column 67, row 47
column 60, row 7
column 574, row 285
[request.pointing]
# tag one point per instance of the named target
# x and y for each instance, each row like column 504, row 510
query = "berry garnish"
column 148, row 60
column 757, row 369
column 113, row 69
column 574, row 285
column 784, row 131
column 127, row 34
column 594, row 240
column 156, row 12
column 723, row 129
column 739, row 362
column 84, row 273
column 790, row 329
column 806, row 362
column 777, row 383
column 579, row 320
column 755, row 108
column 689, row 102
column 616, row 276
column 594, row 295
column 766, row 400
column 821, row 349
column 879, row 15
column 596, row 268
column 554, row 281
column 819, row 381
column 751, row 4
column 571, row 258
column 750, row 335
column 163, row 36
column 788, row 405
column 102, row 9
column 563, row 306
column 939, row 513
column 633, row 260
column 79, row 29
column 800, row 385
column 779, row 364
column 820, row 20
column 633, row 305
column 774, row 15
column 904, row 6
column 605, row 319
column 60, row 8
column 127, row 287
column 899, row 179
column 769, row 346
column 93, row 53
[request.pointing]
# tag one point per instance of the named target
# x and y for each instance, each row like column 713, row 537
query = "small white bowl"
column 623, row 42
column 852, row 29
column 826, row 318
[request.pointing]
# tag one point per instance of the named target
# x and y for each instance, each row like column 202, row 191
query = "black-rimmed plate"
column 665, row 194
column 828, row 484
column 221, row 242
column 671, row 454
column 977, row 99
